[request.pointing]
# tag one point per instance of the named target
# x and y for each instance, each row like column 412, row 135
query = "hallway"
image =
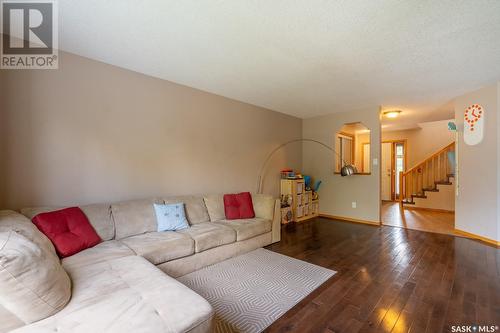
column 423, row 220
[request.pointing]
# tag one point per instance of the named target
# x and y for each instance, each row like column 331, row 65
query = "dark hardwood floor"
column 391, row 279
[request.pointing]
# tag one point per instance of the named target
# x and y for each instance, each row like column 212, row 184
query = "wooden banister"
column 425, row 175
column 444, row 149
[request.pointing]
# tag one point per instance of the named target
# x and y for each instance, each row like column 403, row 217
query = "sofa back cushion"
column 69, row 230
column 34, row 285
column 31, row 212
column 134, row 217
column 13, row 221
column 215, row 206
column 263, row 206
column 196, row 211
column 99, row 215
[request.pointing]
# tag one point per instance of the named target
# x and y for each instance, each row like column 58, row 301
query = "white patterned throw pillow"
column 171, row 217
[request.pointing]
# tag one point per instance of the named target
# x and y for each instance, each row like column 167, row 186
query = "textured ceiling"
column 303, row 58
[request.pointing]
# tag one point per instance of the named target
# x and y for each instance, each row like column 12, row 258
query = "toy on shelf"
column 307, row 182
column 286, row 200
column 286, row 215
column 287, row 173
column 316, row 186
column 298, row 198
column 290, row 174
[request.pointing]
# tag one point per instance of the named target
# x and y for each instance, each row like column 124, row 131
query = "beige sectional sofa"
column 126, row 283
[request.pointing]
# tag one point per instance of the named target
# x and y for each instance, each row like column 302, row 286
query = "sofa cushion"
column 134, row 217
column 209, row 235
column 238, row 206
column 247, row 228
column 196, row 211
column 160, row 247
column 215, row 206
column 127, row 295
column 170, row 217
column 99, row 215
column 104, row 251
column 69, row 230
column 31, row 212
column 13, row 221
column 33, row 283
column 263, row 205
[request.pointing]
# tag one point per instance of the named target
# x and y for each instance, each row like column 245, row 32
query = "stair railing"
column 425, row 175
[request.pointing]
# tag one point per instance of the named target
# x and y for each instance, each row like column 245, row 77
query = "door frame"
column 393, row 163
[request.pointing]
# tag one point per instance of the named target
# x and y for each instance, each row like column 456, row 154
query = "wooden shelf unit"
column 303, row 206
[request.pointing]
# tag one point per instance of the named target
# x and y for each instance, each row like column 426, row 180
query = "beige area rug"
column 251, row 291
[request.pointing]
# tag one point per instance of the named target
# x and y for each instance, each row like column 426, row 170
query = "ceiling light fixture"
column 392, row 114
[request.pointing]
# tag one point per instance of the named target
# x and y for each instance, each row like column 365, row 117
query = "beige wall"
column 424, row 141
column 337, row 193
column 91, row 132
column 476, row 206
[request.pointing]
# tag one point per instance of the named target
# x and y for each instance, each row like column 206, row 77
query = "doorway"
column 400, row 149
column 393, row 162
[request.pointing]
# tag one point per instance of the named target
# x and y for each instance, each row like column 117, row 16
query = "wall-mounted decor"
column 474, row 124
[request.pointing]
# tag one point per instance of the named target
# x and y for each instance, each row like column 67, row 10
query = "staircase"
column 429, row 184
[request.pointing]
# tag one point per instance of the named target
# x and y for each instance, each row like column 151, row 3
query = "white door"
column 386, row 171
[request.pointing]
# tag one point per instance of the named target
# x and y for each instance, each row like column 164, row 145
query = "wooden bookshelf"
column 303, row 206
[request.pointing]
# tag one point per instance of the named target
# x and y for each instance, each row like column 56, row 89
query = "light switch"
column 375, row 161
column 354, row 204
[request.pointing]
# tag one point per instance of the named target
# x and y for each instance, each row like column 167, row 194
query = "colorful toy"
column 316, row 186
column 307, row 182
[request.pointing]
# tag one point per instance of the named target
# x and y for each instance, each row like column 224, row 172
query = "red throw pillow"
column 238, row 206
column 68, row 229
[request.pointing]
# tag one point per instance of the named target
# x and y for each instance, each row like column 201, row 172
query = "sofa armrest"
column 276, row 228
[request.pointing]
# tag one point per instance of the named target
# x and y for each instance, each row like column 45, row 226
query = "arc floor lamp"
column 346, row 170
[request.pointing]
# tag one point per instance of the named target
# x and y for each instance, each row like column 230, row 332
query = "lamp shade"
column 348, row 170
